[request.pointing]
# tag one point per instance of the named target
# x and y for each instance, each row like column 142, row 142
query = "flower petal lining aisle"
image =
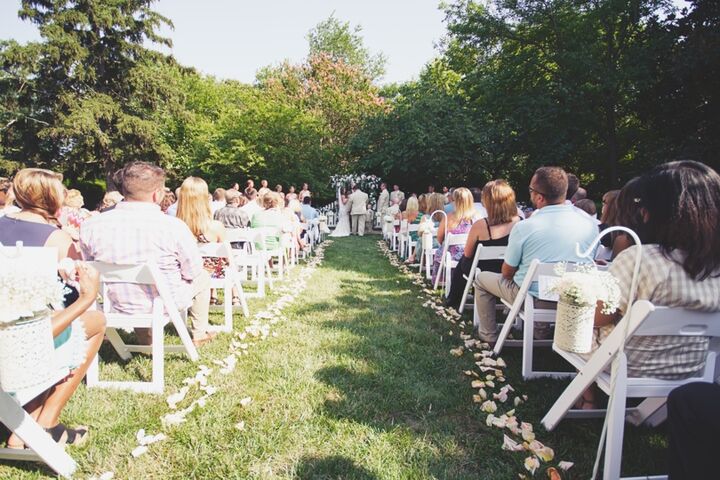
column 491, row 370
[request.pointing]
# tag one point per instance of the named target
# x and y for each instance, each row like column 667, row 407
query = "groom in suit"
column 358, row 210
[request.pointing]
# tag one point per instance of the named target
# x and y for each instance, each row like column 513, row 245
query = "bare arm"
column 508, row 272
column 441, row 230
column 89, row 280
column 65, row 245
column 602, row 319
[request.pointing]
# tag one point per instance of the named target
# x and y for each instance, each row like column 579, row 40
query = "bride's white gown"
column 342, row 229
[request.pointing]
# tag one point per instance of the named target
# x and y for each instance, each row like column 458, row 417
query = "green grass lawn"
column 357, row 383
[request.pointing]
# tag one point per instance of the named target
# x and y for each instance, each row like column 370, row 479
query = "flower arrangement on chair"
column 26, row 340
column 579, row 292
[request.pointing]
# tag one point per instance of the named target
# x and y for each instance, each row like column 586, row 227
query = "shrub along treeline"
column 605, row 88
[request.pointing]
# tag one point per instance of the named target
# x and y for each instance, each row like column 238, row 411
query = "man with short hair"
column 551, row 234
column 172, row 209
column 308, row 212
column 358, row 210
column 218, row 200
column 137, row 232
column 383, row 200
column 231, row 215
column 580, row 194
column 252, row 206
column 397, row 194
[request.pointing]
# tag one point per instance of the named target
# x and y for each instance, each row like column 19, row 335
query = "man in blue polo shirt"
column 550, row 235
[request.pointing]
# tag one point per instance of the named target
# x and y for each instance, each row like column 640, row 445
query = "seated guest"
column 6, row 197
column 587, row 206
column 235, row 186
column 458, row 222
column 608, row 216
column 693, row 421
column 580, row 194
column 194, row 210
column 308, row 212
column 493, row 230
column 572, row 188
column 172, row 209
column 137, row 232
column 433, row 203
column 449, row 205
column 551, row 234
column 167, row 200
column 678, row 224
column 411, row 210
column 39, row 193
column 218, row 200
column 293, row 214
column 627, row 213
column 253, row 205
column 110, row 199
column 232, row 215
column 270, row 216
column 478, row 203
column 72, row 214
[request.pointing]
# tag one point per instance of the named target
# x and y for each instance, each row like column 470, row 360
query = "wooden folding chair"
column 643, row 319
column 481, row 253
column 231, row 279
column 164, row 310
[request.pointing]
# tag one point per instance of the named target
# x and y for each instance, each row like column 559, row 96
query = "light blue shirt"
column 551, row 234
column 308, row 212
column 449, row 208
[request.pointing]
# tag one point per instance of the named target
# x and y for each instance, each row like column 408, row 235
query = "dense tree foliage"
column 604, row 88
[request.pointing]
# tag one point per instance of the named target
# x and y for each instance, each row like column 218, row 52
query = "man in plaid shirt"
column 136, row 232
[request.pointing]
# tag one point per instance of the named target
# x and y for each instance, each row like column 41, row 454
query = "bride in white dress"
column 342, row 229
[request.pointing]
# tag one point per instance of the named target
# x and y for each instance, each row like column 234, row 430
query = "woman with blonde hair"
column 458, row 222
column 77, row 332
column 194, row 210
column 293, row 215
column 498, row 198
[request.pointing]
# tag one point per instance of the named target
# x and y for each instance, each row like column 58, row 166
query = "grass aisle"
column 358, row 383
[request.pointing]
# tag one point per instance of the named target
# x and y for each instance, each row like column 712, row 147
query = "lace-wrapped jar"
column 574, row 327
column 26, row 352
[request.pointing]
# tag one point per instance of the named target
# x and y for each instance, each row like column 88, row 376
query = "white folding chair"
column 402, row 238
column 164, row 310
column 394, row 235
column 248, row 260
column 446, row 262
column 231, row 279
column 411, row 244
column 428, row 253
column 278, row 252
column 40, row 445
column 481, row 253
column 528, row 310
column 644, row 319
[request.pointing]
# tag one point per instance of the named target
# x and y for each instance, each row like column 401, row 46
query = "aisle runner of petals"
column 493, row 393
column 259, row 329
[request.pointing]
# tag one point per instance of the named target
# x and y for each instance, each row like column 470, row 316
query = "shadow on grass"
column 335, row 467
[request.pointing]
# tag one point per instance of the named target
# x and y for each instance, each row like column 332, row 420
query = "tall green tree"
column 341, row 42
column 82, row 97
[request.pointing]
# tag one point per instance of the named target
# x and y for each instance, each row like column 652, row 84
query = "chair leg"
column 616, row 420
column 34, row 437
column 158, row 352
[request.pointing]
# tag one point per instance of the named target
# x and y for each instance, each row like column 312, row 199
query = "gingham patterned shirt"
column 138, row 232
column 664, row 282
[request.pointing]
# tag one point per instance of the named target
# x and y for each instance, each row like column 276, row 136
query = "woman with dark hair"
column 675, row 210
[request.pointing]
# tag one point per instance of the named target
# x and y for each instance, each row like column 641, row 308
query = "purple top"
column 32, row 234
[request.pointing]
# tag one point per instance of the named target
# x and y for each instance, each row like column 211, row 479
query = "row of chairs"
column 252, row 262
column 607, row 366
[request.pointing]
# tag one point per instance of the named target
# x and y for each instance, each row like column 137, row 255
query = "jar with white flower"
column 579, row 292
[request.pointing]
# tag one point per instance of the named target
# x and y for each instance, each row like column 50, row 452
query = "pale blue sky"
column 233, row 39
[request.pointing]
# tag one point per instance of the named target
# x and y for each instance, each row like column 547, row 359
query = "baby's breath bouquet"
column 580, row 290
column 25, row 294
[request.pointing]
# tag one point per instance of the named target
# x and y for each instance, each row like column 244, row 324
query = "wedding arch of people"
column 470, row 239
